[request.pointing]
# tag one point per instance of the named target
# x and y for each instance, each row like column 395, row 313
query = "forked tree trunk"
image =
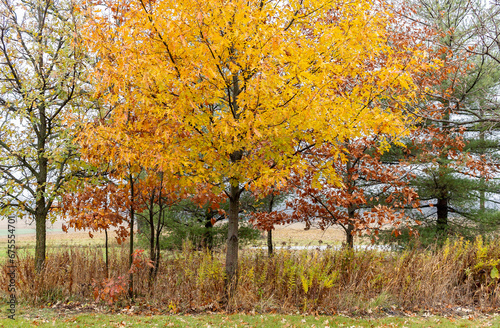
column 159, row 228
column 157, row 232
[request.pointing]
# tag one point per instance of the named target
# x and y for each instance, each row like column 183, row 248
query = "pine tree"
column 456, row 145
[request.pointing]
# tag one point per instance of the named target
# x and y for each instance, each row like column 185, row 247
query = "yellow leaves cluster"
column 193, row 82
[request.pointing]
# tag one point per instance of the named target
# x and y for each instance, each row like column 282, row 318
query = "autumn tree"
column 95, row 207
column 229, row 93
column 373, row 193
column 267, row 206
column 41, row 71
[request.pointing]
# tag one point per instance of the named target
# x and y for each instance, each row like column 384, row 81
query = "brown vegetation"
column 460, row 274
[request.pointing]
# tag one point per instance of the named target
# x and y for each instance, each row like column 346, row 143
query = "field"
column 288, row 235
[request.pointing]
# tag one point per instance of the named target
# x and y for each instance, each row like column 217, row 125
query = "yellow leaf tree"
column 227, row 93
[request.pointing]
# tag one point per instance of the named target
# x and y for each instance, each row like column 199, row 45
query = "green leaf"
column 494, row 273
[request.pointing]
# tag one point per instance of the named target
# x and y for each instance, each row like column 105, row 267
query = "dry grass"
column 460, row 274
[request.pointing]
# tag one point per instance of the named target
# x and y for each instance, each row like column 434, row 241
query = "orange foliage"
column 96, row 208
column 370, row 195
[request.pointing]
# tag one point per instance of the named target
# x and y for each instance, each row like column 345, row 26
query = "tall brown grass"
column 459, row 274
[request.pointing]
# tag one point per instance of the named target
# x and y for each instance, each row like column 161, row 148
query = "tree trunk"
column 107, row 253
column 232, row 239
column 158, row 255
column 41, row 217
column 41, row 208
column 270, row 231
column 482, row 194
column 208, row 241
column 152, row 244
column 349, row 236
column 234, row 202
column 270, row 242
column 41, row 237
column 442, row 198
column 131, row 249
column 159, row 228
column 442, row 214
column 350, row 228
column 351, row 210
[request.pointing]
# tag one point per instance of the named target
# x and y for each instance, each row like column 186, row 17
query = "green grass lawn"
column 31, row 317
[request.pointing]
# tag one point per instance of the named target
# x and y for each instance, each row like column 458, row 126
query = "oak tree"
column 373, row 193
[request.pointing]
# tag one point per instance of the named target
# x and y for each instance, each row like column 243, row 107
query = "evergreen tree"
column 455, row 150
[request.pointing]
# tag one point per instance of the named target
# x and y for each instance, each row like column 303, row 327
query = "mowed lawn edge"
column 54, row 319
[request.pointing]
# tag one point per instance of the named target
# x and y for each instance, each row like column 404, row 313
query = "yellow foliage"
column 191, row 83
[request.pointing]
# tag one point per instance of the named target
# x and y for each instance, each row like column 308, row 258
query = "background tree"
column 267, row 206
column 155, row 196
column 41, row 71
column 372, row 194
column 456, row 147
column 196, row 224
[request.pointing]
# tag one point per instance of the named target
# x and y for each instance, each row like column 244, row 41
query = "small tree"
column 155, row 195
column 97, row 207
